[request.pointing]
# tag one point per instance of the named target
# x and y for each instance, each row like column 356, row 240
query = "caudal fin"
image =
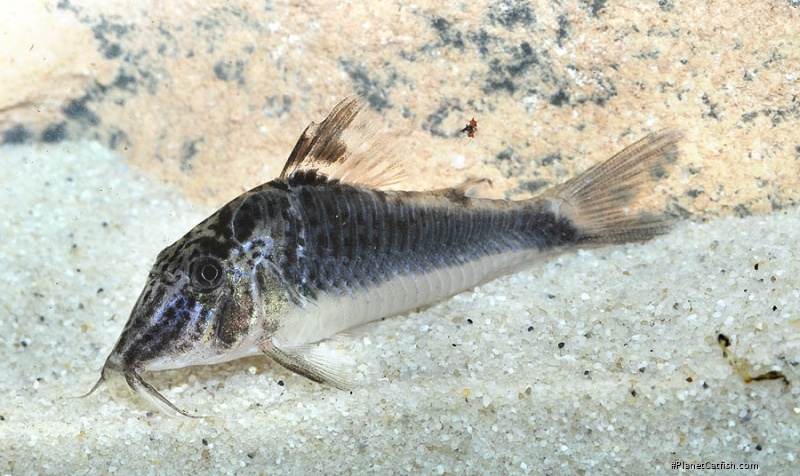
column 596, row 202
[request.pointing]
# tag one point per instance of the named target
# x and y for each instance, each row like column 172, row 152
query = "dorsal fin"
column 345, row 147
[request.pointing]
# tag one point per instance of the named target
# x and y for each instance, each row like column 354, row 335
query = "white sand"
column 438, row 395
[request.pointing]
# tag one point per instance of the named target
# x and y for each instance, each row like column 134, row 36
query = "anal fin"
column 313, row 361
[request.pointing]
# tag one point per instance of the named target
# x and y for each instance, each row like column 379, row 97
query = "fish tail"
column 597, row 201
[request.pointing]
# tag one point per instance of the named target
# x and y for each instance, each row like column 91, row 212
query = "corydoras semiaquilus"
column 325, row 247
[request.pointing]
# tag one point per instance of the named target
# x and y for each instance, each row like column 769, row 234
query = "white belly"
column 331, row 314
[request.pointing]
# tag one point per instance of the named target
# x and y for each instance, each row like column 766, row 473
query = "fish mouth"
column 138, row 386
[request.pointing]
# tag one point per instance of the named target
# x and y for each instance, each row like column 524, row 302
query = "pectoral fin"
column 312, row 361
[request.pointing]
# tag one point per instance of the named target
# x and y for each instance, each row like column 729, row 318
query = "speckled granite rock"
column 212, row 98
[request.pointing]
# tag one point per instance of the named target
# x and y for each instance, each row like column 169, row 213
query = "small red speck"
column 471, row 128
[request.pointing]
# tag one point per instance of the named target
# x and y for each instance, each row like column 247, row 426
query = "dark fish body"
column 322, row 249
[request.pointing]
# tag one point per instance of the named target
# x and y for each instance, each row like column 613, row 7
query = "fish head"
column 197, row 308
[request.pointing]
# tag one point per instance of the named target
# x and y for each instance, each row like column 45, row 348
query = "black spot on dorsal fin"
column 345, row 148
column 309, row 177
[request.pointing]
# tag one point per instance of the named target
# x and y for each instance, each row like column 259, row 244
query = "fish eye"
column 207, row 273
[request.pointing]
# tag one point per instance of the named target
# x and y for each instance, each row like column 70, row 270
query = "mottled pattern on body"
column 323, row 248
